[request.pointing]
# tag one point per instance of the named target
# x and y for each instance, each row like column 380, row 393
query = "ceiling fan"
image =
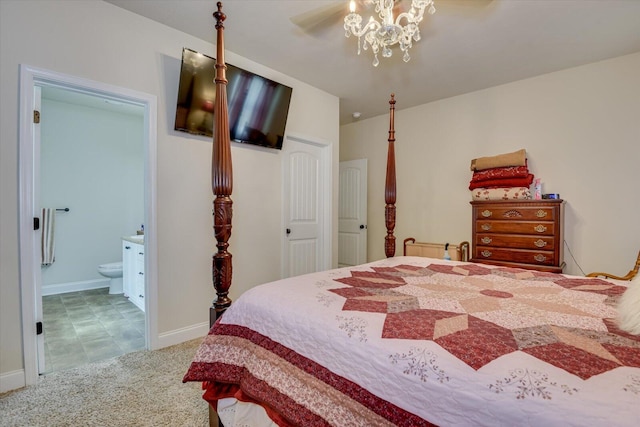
column 333, row 13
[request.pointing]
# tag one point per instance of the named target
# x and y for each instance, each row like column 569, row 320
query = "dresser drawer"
column 517, row 213
column 488, row 253
column 540, row 228
column 516, row 241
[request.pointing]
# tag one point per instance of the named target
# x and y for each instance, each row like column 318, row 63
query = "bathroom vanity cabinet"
column 133, row 272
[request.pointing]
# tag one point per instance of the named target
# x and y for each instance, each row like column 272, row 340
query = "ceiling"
column 467, row 45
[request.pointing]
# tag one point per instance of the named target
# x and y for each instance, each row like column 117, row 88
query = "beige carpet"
column 138, row 389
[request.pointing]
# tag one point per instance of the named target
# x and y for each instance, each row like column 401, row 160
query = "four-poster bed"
column 221, row 179
column 411, row 340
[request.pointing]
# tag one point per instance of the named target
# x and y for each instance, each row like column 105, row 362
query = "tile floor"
column 88, row 326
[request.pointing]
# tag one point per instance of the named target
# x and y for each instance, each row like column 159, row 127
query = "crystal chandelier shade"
column 380, row 36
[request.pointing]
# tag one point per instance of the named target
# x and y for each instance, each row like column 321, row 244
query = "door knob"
column 288, row 231
column 362, row 226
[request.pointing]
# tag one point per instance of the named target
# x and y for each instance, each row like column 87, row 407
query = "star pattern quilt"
column 418, row 341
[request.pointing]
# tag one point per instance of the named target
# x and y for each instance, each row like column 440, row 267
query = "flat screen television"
column 258, row 107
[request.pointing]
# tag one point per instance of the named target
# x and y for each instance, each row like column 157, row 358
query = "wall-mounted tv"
column 258, row 107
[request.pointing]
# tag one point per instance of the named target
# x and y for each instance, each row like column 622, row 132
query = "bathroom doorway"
column 92, row 182
column 87, row 284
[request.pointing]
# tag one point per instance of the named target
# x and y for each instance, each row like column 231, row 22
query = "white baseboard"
column 12, row 380
column 84, row 285
column 181, row 335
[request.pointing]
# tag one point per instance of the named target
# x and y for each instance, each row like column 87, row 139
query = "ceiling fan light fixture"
column 389, row 31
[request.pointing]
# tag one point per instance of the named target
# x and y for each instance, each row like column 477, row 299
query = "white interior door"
column 352, row 213
column 304, row 195
column 37, row 235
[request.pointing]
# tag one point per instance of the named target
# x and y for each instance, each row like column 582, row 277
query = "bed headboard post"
column 221, row 180
column 390, row 185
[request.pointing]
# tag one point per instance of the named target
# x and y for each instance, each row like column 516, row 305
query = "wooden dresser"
column 525, row 234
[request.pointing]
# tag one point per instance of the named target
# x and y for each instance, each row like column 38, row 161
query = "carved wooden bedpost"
column 221, row 180
column 390, row 185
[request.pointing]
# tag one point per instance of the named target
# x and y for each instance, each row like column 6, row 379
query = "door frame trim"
column 326, row 223
column 30, row 77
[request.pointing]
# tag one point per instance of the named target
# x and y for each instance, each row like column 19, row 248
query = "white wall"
column 101, row 42
column 92, row 162
column 581, row 130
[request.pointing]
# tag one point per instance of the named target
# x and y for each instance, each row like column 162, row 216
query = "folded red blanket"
column 500, row 173
column 503, row 182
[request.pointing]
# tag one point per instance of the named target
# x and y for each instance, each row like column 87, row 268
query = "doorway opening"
column 58, row 89
column 91, row 180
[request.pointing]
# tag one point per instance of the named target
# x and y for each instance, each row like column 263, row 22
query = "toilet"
column 114, row 272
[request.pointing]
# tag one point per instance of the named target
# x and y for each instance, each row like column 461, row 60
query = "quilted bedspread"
column 418, row 341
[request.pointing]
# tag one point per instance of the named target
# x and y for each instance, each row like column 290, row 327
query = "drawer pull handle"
column 486, row 240
column 540, row 228
column 486, row 227
column 486, row 254
column 512, row 214
column 540, row 243
column 486, row 213
column 540, row 258
column 541, row 213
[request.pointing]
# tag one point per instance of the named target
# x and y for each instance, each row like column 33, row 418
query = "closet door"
column 305, row 201
column 352, row 213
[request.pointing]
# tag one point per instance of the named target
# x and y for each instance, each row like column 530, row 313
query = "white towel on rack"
column 48, row 236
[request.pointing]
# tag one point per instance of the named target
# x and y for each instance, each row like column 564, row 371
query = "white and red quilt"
column 418, row 341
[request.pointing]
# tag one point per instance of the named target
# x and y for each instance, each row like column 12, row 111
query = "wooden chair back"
column 630, row 275
column 459, row 252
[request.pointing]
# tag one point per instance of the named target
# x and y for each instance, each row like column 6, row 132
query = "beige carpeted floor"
column 138, row 389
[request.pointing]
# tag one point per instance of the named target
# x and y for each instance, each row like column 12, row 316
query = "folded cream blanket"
column 517, row 158
column 506, row 193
